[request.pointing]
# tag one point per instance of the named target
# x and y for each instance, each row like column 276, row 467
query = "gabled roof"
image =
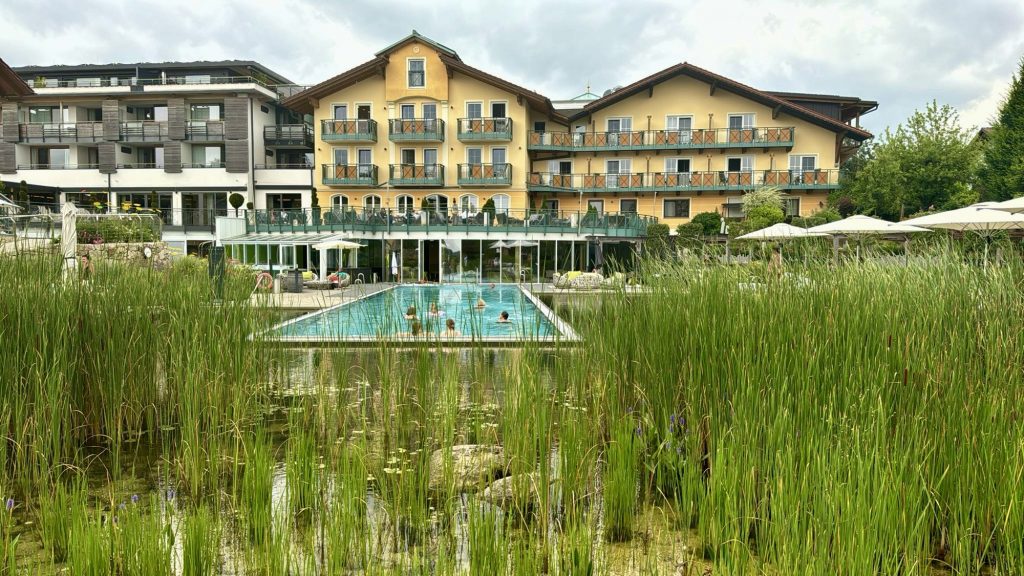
column 302, row 101
column 417, row 37
column 536, row 100
column 703, row 75
column 11, row 84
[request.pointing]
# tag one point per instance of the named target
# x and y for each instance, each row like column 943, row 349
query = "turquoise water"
column 383, row 315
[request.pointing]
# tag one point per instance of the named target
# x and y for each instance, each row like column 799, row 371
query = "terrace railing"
column 379, row 220
column 294, row 135
column 485, row 174
column 485, row 129
column 683, row 181
column 348, row 130
column 699, row 139
column 144, row 131
column 204, row 131
column 416, row 130
column 36, row 133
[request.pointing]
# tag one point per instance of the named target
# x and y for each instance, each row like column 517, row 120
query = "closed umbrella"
column 394, row 265
column 69, row 238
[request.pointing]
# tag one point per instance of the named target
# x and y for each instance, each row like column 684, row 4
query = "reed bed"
column 835, row 419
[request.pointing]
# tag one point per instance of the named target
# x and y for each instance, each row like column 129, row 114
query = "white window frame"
column 474, row 204
column 490, row 108
column 334, row 110
column 676, row 159
column 356, row 106
column 628, row 119
column 334, row 155
column 684, row 135
column 470, row 160
column 480, row 102
column 369, row 204
column 744, row 159
column 788, row 199
column 411, row 204
column 364, row 168
column 436, row 197
column 689, row 206
column 339, row 201
column 408, row 70
column 637, row 200
column 591, row 201
column 506, row 201
column 743, row 116
column 502, row 148
column 628, row 164
column 801, row 169
column 401, row 156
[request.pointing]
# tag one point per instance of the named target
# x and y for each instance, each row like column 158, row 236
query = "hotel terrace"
column 447, row 173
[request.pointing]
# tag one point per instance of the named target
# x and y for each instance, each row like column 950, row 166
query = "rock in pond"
column 472, row 467
column 518, row 491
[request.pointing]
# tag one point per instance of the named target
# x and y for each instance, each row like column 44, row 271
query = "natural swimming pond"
column 406, row 312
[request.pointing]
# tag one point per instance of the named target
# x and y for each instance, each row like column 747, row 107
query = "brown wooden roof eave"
column 11, row 84
column 542, row 103
column 301, row 102
column 729, row 84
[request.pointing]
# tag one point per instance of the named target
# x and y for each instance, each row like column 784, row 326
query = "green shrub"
column 657, row 239
column 112, row 230
column 710, row 222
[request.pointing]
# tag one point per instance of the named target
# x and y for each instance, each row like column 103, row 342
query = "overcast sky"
column 902, row 53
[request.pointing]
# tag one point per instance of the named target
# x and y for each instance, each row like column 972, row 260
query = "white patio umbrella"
column 394, row 265
column 500, row 244
column 7, row 205
column 781, row 231
column 1015, row 205
column 337, row 244
column 860, row 225
column 982, row 218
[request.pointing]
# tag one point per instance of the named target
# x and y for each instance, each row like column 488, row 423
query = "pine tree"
column 1002, row 174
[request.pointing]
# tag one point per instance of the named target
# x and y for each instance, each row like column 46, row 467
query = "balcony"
column 771, row 137
column 348, row 130
column 416, row 174
column 349, row 174
column 683, row 181
column 416, row 130
column 485, row 129
column 64, row 132
column 456, row 220
column 204, row 131
column 485, row 174
column 144, row 131
column 288, row 136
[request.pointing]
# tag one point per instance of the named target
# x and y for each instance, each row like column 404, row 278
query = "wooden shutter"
column 8, row 159
column 237, row 156
column 236, row 118
column 111, row 113
column 172, row 157
column 9, row 116
column 176, row 118
column 107, row 157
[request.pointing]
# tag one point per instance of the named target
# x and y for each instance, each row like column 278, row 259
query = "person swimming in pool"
column 434, row 311
column 480, row 304
column 450, row 330
column 410, row 313
column 503, row 318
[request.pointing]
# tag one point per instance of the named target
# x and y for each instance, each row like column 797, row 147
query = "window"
column 341, row 156
column 430, row 117
column 339, row 202
column 87, row 82
column 740, row 164
column 408, row 156
column 620, row 124
column 417, row 76
column 474, row 155
column 791, row 206
column 501, row 203
column 677, row 165
column 474, row 109
column 341, row 111
column 498, row 110
column 677, row 208
column 683, row 125
column 733, row 207
column 430, row 162
column 549, row 206
column 47, row 114
column 802, row 163
column 405, row 204
column 408, row 111
column 197, row 79
column 564, row 167
column 741, row 121
column 363, row 111
column 596, row 206
column 497, row 156
column 469, row 204
column 539, row 126
column 202, row 112
column 207, row 156
column 365, row 159
column 53, row 158
column 371, row 202
column 437, row 203
column 627, row 205
column 620, row 166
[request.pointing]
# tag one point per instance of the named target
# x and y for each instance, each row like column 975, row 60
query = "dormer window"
column 417, row 76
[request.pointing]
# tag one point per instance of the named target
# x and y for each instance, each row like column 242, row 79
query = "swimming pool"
column 385, row 316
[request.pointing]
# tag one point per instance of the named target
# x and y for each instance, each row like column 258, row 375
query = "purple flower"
column 135, row 498
column 672, row 418
column 638, row 431
column 9, row 504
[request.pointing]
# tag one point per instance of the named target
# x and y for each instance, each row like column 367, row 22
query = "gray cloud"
column 903, row 54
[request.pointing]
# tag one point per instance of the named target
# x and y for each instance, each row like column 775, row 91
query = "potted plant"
column 236, row 200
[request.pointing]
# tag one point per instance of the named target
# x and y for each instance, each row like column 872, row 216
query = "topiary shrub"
column 710, row 222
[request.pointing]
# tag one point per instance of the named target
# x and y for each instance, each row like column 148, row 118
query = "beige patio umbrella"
column 859, row 226
column 983, row 219
column 779, row 232
column 1015, row 205
column 337, row 244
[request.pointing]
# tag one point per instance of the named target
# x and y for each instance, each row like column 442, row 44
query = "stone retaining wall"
column 130, row 253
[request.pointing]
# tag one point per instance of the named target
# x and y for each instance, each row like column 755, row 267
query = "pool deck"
column 319, row 299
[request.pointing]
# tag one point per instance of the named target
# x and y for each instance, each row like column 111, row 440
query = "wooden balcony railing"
column 682, row 181
column 349, row 174
column 348, row 130
column 763, row 137
column 485, row 129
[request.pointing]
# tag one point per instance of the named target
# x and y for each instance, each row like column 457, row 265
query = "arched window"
column 405, row 204
column 501, row 202
column 371, row 202
column 469, row 203
column 437, row 203
column 339, row 202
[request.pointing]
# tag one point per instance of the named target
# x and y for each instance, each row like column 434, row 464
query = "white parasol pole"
column 69, row 238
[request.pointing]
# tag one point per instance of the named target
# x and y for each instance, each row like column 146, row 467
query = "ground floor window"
column 627, row 206
column 677, row 208
column 791, row 206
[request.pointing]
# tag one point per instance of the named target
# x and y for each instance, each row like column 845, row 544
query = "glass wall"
column 409, row 261
column 491, row 262
column 472, row 260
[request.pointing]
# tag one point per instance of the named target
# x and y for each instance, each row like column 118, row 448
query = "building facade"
column 442, row 171
column 173, row 139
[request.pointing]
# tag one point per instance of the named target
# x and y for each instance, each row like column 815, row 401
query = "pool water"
column 383, row 315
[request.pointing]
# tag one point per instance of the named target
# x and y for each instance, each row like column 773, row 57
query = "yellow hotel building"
column 437, row 166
